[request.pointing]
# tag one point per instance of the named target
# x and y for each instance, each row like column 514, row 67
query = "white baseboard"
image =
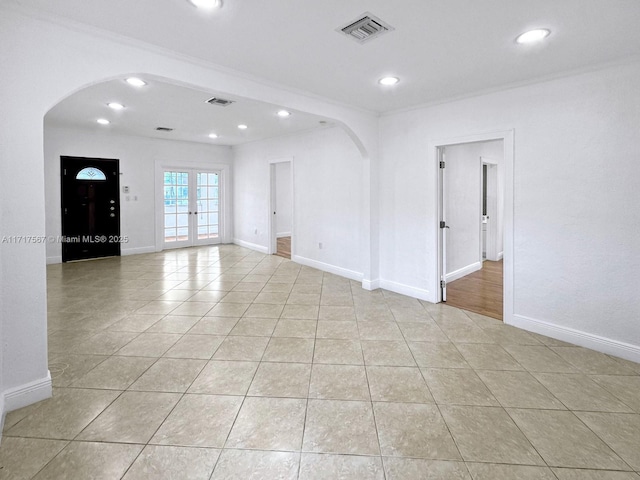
column 283, row 234
column 578, row 337
column 252, row 246
column 137, row 250
column 125, row 251
column 461, row 272
column 326, row 267
column 407, row 290
column 371, row 284
column 28, row 393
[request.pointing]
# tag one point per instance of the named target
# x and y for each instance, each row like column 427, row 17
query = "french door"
column 191, row 207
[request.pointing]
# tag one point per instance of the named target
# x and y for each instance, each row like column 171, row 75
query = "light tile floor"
column 222, row 363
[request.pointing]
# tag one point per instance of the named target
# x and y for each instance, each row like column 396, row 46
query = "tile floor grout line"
column 306, row 409
column 173, row 409
column 52, row 459
column 241, row 265
column 631, row 468
column 528, row 439
column 224, row 444
column 375, row 422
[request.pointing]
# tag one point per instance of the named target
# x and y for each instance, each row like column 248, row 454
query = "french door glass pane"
column 208, row 205
column 176, row 206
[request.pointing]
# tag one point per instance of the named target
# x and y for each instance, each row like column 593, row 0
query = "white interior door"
column 444, row 228
column 273, row 214
column 281, row 204
column 191, row 205
column 491, row 218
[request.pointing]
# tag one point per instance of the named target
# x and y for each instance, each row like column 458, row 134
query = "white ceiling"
column 159, row 104
column 440, row 49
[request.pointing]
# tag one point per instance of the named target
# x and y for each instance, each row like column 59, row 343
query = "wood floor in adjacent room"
column 284, row 247
column 479, row 292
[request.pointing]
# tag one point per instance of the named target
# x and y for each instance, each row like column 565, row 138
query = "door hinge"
column 65, row 171
column 442, row 164
column 442, row 224
column 443, row 284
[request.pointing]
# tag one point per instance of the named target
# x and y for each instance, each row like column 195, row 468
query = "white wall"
column 326, row 197
column 576, row 260
column 284, row 199
column 138, row 157
column 577, row 186
column 42, row 63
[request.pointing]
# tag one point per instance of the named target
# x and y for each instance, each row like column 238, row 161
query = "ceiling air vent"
column 221, row 102
column 365, row 28
column 164, row 129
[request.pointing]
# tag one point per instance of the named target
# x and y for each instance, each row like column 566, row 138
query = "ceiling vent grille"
column 164, row 129
column 365, row 28
column 221, row 102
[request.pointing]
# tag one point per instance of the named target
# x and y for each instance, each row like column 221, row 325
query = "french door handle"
column 195, row 213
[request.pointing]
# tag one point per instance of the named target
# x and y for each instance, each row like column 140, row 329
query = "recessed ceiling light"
column 103, row 121
column 388, row 81
column 136, row 82
column 283, row 113
column 206, row 4
column 242, row 126
column 533, row 36
column 115, row 105
column 213, row 135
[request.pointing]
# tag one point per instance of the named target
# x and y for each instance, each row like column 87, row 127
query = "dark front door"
column 90, row 208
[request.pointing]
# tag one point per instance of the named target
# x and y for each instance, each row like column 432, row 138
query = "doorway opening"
column 90, row 204
column 281, row 207
column 191, row 202
column 471, row 220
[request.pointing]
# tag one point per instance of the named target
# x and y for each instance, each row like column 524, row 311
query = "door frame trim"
column 508, row 138
column 226, row 225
